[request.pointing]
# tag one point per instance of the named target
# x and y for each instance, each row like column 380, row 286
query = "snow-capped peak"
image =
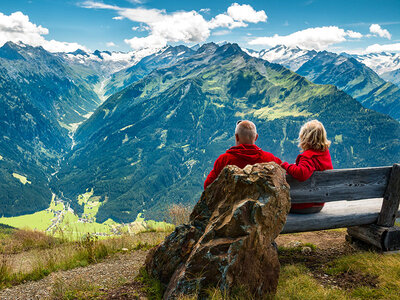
column 291, row 57
column 381, row 63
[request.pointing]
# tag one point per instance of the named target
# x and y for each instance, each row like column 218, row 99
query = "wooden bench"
column 365, row 201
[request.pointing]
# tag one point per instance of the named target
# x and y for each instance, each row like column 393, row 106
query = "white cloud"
column 99, row 5
column 17, row 28
column 353, row 34
column 56, row 46
column 246, row 13
column 378, row 30
column 223, row 20
column 221, row 32
column 237, row 16
column 181, row 26
column 151, row 41
column 205, row 10
column 118, row 18
column 141, row 27
column 317, row 38
column 383, row 48
column 111, row 44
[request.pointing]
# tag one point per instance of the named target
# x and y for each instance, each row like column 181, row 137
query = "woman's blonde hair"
column 313, row 136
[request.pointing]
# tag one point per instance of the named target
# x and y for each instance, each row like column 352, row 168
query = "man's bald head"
column 246, row 132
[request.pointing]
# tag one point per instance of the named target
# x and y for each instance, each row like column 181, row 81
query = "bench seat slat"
column 341, row 184
column 335, row 215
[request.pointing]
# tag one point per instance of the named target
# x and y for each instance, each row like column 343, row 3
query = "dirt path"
column 326, row 239
column 112, row 272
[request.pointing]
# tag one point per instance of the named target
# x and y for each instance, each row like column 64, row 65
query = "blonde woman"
column 315, row 156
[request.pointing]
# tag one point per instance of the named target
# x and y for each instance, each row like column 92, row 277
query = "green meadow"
column 60, row 220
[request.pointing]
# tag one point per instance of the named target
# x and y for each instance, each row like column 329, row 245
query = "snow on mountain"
column 386, row 65
column 381, row 63
column 251, row 52
column 107, row 62
column 290, row 57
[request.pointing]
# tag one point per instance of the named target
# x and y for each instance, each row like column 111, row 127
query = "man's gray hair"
column 246, row 130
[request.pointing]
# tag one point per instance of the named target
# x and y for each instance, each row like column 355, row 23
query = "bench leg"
column 384, row 238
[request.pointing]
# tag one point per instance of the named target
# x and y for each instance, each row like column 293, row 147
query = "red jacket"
column 306, row 163
column 240, row 156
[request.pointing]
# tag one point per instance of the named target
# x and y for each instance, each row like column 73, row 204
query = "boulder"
column 229, row 241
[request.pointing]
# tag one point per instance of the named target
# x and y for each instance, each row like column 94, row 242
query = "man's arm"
column 270, row 157
column 218, row 166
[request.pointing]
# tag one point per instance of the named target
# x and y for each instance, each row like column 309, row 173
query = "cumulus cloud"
column 118, row 18
column 56, row 46
column 378, row 30
column 181, row 26
column 246, row 13
column 354, row 34
column 383, row 48
column 17, row 28
column 237, row 15
column 317, row 38
column 223, row 20
column 111, row 44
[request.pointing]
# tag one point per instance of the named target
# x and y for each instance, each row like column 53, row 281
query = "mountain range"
column 167, row 117
column 153, row 143
column 344, row 71
column 386, row 65
column 41, row 99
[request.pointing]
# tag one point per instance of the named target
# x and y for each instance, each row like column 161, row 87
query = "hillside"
column 153, row 143
column 41, row 99
column 387, row 65
column 163, row 58
column 354, row 78
column 48, row 82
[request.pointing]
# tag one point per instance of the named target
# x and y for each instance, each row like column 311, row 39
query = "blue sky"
column 123, row 25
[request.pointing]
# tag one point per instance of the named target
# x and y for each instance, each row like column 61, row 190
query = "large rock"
column 229, row 240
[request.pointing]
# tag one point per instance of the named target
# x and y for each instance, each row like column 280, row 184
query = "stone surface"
column 229, row 240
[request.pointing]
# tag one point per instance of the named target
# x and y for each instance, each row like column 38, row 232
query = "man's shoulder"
column 268, row 156
column 224, row 157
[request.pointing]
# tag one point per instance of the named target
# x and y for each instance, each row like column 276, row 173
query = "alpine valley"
column 141, row 130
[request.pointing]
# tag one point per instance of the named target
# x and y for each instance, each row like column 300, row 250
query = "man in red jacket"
column 244, row 153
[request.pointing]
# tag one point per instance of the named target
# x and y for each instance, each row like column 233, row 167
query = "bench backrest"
column 341, row 184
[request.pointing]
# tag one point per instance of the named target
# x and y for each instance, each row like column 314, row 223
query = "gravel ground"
column 107, row 274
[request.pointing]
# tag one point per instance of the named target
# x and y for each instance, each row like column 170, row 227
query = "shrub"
column 179, row 213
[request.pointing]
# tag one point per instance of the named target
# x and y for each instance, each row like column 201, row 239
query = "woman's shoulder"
column 311, row 153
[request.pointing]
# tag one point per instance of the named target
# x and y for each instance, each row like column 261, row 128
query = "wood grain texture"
column 341, row 184
column 392, row 239
column 391, row 200
column 371, row 234
column 339, row 214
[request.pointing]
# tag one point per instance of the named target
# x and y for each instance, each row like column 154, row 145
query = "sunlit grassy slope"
column 60, row 219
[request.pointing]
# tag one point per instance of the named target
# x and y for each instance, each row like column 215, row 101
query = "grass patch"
column 78, row 289
column 16, row 240
column 151, row 286
column 385, row 268
column 296, row 282
column 69, row 255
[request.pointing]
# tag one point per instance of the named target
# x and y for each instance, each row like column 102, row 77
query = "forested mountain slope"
column 153, row 143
